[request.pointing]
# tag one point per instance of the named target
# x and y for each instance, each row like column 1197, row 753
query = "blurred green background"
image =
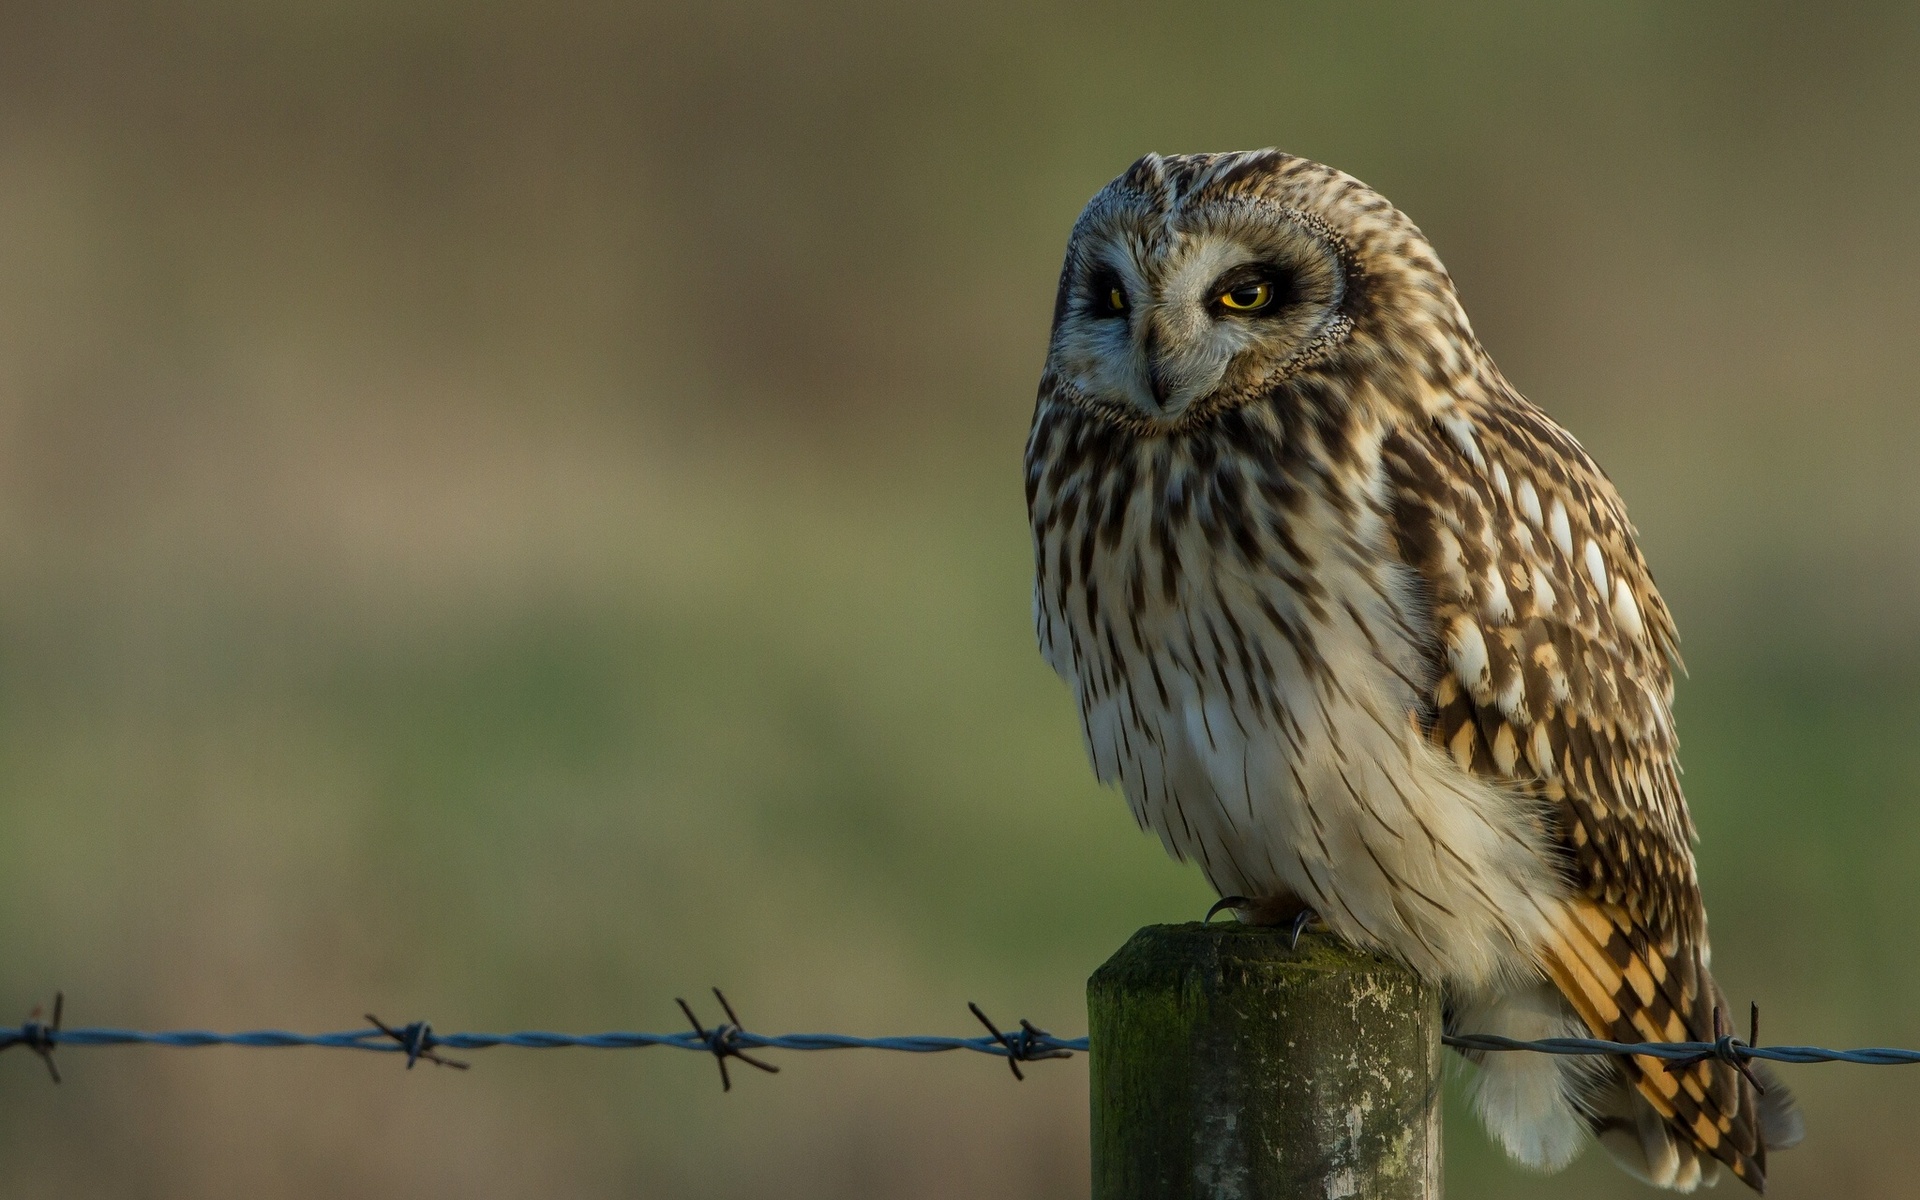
column 511, row 513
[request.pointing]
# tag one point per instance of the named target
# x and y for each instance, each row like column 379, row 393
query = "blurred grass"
column 511, row 514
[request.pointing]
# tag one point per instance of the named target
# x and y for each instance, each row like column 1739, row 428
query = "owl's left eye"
column 1109, row 296
column 1106, row 296
column 1247, row 298
column 1254, row 290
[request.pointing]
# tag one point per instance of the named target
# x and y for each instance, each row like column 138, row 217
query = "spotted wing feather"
column 1553, row 674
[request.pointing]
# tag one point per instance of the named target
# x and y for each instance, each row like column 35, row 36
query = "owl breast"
column 1251, row 665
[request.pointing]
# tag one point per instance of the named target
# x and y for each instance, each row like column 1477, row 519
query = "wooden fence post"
column 1229, row 1066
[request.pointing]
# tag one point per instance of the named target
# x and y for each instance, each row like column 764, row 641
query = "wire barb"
column 418, row 1041
column 1029, row 1045
column 723, row 1041
column 37, row 1036
column 1727, row 1048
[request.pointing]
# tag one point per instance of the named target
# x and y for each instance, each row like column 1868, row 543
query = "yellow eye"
column 1248, row 297
column 1116, row 300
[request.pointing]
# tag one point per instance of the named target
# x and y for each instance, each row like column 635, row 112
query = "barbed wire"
column 418, row 1041
column 1678, row 1056
column 1681, row 1052
column 729, row 1040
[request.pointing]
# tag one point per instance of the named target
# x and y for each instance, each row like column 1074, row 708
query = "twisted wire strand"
column 376, row 1040
column 1731, row 1049
column 1030, row 1045
column 534, row 1039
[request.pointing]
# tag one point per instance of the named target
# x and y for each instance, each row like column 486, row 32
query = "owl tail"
column 1673, row 1128
column 1647, row 1146
column 1542, row 1109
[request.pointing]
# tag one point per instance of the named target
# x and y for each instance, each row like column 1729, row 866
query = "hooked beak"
column 1157, row 381
column 1159, row 386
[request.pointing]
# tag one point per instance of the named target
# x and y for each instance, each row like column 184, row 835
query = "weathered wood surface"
column 1227, row 1065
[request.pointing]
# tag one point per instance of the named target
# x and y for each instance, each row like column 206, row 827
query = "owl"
column 1367, row 636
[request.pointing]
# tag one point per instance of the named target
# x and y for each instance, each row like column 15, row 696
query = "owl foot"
column 1272, row 910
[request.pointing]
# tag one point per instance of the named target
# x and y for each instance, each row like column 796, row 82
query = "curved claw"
column 1236, row 903
column 1301, row 920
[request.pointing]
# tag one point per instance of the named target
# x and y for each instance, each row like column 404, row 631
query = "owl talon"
column 1301, row 920
column 1236, row 903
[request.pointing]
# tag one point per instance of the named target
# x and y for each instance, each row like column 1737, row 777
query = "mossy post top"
column 1197, row 946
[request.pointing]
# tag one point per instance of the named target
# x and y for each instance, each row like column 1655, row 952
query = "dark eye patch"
column 1106, row 295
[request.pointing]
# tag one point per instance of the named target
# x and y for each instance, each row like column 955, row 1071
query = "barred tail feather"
column 1646, row 1146
column 1671, row 1128
column 1642, row 1142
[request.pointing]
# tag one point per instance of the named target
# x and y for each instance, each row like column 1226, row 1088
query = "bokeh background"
column 511, row 514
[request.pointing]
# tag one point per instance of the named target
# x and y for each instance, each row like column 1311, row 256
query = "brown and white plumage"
column 1359, row 629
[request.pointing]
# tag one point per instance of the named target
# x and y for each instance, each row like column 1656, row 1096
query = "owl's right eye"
column 1109, row 297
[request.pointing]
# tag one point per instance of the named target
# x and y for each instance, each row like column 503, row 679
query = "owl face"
column 1195, row 282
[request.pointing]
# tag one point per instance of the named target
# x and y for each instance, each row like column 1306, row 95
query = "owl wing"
column 1553, row 654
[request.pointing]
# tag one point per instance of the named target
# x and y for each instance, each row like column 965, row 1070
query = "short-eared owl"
column 1364, row 633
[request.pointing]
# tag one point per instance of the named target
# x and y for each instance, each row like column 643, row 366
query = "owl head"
column 1198, row 282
